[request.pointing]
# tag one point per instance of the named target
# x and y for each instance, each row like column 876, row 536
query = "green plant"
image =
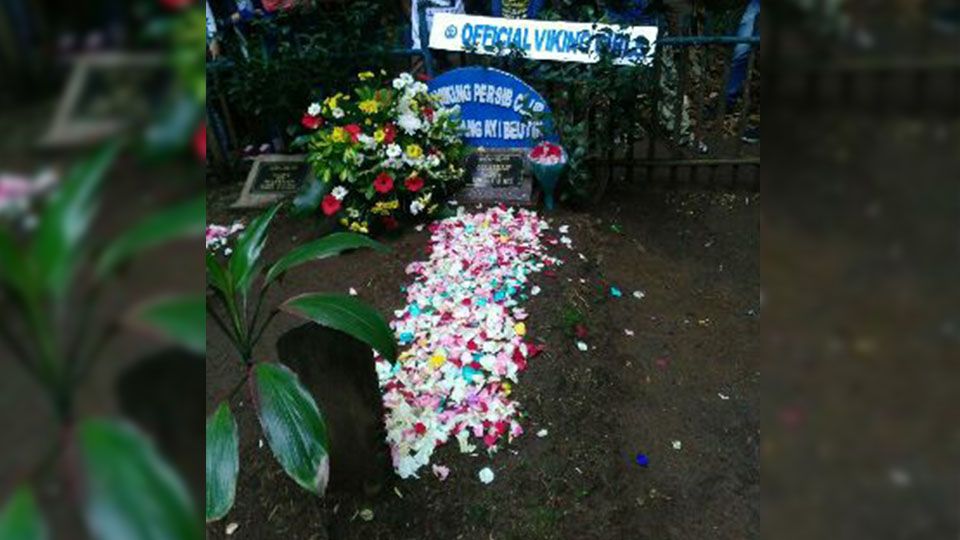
column 293, row 424
column 51, row 281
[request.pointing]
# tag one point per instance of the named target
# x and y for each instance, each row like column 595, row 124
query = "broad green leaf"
column 346, row 314
column 14, row 272
column 293, row 425
column 217, row 275
column 246, row 252
column 67, row 219
column 130, row 492
column 20, row 519
column 223, row 462
column 179, row 221
column 308, row 199
column 327, row 246
column 182, row 319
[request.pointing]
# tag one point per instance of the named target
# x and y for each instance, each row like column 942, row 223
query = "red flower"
column 200, row 141
column 427, row 113
column 420, row 428
column 424, row 77
column 330, row 205
column 383, row 183
column 389, row 133
column 413, row 183
column 554, row 150
column 353, row 130
column 176, row 4
column 537, row 151
column 311, row 122
column 390, row 222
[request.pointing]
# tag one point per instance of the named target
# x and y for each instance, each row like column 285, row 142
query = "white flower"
column 486, row 475
column 416, row 207
column 338, row 113
column 433, row 160
column 367, row 141
column 420, row 88
column 353, row 213
column 409, row 123
column 398, row 83
column 394, row 151
column 339, row 193
column 314, row 109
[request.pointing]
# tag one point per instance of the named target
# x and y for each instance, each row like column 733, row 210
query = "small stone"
column 232, row 528
column 639, row 295
column 582, row 346
column 677, row 445
column 542, row 433
column 366, row 514
column 353, row 292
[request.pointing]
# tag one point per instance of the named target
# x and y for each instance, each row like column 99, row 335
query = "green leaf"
column 66, row 221
column 14, row 272
column 293, row 425
column 130, row 491
column 182, row 319
column 308, row 199
column 179, row 221
column 346, row 314
column 327, row 246
column 246, row 253
column 20, row 519
column 223, row 462
column 217, row 275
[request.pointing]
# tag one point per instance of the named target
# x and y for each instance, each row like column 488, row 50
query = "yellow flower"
column 438, row 359
column 368, row 122
column 369, row 106
column 339, row 135
column 364, row 75
column 414, row 151
column 507, row 388
column 360, row 227
column 379, row 135
column 520, row 329
column 343, row 221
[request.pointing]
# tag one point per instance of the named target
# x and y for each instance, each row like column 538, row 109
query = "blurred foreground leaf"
column 182, row 319
column 20, row 519
column 182, row 220
column 65, row 222
column 131, row 493
column 223, row 462
column 295, row 430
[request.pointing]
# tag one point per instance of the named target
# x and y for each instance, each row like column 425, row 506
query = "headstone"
column 106, row 93
column 498, row 175
column 502, row 117
column 273, row 177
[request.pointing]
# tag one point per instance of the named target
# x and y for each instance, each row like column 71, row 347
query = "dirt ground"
column 690, row 373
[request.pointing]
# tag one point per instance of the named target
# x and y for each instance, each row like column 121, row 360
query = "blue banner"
column 497, row 109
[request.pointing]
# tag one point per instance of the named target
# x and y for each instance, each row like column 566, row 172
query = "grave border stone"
column 65, row 129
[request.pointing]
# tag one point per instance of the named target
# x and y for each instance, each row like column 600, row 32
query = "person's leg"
column 741, row 53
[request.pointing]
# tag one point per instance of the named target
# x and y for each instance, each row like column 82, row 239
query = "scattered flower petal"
column 542, row 433
column 485, row 475
column 582, row 346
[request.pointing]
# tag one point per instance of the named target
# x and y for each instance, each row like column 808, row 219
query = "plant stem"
column 273, row 313
column 234, row 339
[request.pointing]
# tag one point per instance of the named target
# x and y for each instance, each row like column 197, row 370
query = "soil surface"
column 689, row 374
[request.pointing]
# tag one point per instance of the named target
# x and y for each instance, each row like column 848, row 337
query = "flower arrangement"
column 547, row 161
column 386, row 154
